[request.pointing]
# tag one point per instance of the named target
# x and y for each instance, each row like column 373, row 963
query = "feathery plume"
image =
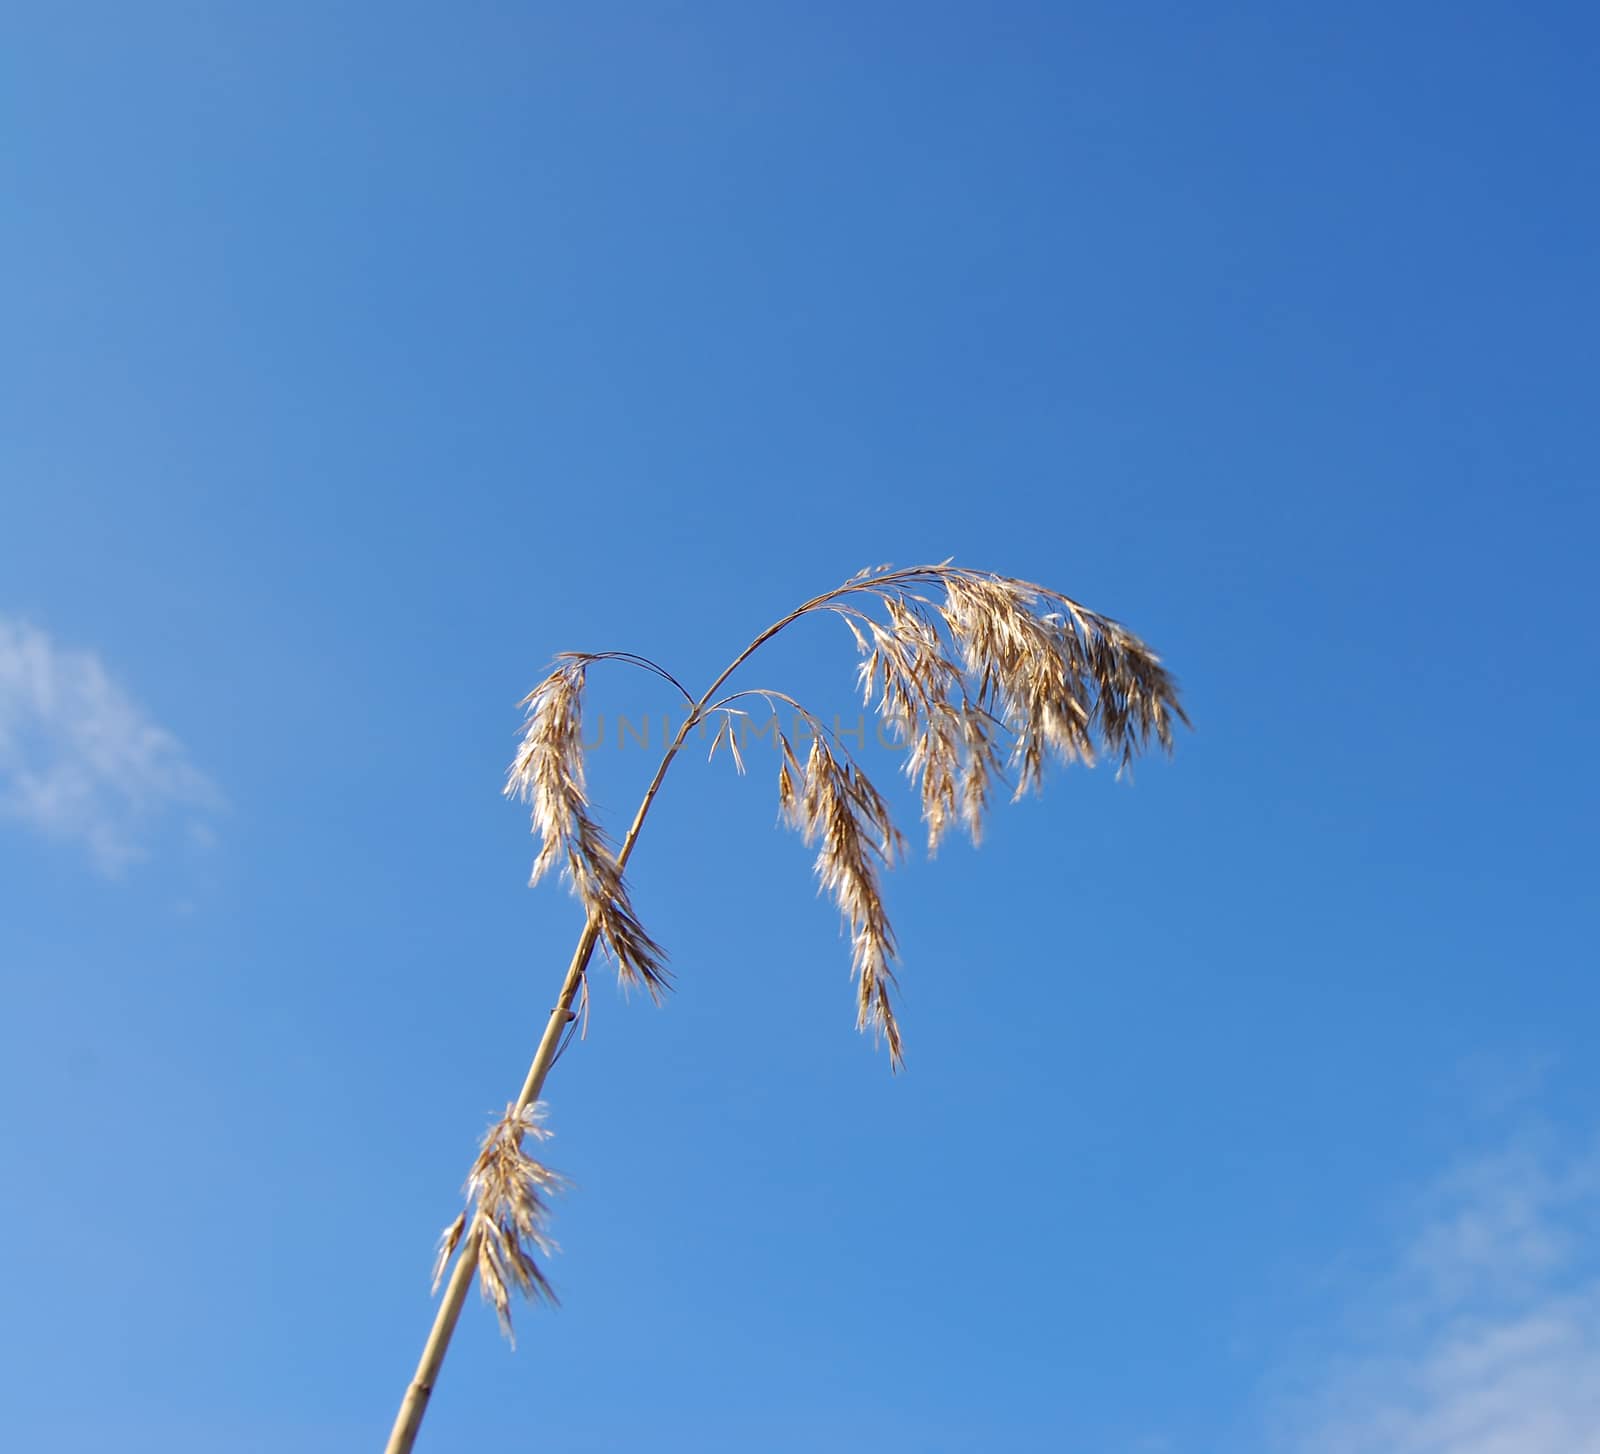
column 548, row 773
column 509, row 1192
column 835, row 805
column 981, row 676
column 1001, row 674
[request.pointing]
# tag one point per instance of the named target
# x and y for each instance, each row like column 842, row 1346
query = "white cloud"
column 80, row 760
column 1486, row 1338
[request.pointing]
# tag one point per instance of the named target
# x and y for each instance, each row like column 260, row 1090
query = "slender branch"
column 632, row 658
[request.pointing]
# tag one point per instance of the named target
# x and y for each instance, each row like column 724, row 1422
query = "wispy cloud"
column 1486, row 1338
column 80, row 760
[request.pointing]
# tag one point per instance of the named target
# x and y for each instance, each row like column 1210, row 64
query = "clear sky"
column 358, row 358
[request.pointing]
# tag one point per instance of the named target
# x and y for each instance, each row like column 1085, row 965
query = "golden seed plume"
column 998, row 674
column 981, row 676
column 835, row 805
column 547, row 772
column 508, row 1193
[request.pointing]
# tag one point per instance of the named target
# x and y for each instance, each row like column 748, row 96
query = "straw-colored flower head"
column 508, row 1195
column 548, row 773
column 982, row 677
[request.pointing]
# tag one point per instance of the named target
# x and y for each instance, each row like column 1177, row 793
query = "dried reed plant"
column 979, row 674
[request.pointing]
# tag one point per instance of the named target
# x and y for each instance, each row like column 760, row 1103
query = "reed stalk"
column 999, row 673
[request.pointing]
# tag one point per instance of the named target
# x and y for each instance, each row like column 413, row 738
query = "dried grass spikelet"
column 548, row 773
column 983, row 676
column 1001, row 674
column 1000, row 658
column 921, row 692
column 835, row 805
column 509, row 1191
column 1063, row 681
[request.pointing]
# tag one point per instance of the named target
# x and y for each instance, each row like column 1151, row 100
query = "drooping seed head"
column 508, row 1195
column 548, row 773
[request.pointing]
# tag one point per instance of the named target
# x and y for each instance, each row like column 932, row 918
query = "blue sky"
column 360, row 358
